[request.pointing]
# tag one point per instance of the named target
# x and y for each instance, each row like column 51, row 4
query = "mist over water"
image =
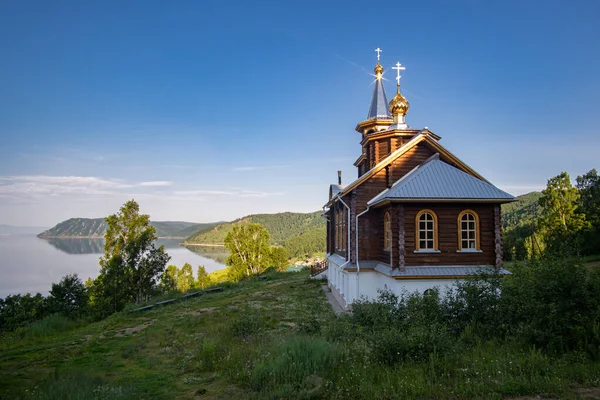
column 29, row 264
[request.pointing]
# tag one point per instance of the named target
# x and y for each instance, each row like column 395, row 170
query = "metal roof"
column 442, row 271
column 334, row 189
column 379, row 103
column 437, row 180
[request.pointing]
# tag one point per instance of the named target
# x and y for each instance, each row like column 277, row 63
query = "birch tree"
column 250, row 250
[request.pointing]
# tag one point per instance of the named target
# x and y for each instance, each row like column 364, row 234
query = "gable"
column 438, row 180
column 404, row 159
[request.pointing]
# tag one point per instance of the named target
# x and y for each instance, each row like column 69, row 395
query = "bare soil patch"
column 135, row 329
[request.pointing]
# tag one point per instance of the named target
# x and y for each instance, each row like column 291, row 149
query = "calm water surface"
column 29, row 264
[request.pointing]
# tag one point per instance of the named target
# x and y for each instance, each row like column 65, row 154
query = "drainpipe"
column 356, row 244
column 348, row 249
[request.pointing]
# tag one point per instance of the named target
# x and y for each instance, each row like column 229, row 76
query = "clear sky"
column 206, row 111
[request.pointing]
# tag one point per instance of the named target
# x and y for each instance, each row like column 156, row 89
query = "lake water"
column 29, row 264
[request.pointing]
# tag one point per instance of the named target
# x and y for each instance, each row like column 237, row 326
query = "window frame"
column 387, row 231
column 340, row 224
column 477, row 248
column 418, row 248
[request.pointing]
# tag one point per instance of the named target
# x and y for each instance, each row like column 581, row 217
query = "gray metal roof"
column 444, row 271
column 437, row 180
column 334, row 189
column 379, row 103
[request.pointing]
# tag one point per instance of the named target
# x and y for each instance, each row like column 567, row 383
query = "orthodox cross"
column 398, row 68
column 378, row 50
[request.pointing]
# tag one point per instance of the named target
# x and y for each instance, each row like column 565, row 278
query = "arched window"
column 468, row 231
column 387, row 232
column 426, row 229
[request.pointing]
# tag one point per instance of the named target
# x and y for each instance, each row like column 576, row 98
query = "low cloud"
column 227, row 193
column 155, row 183
column 45, row 185
column 35, row 188
column 261, row 168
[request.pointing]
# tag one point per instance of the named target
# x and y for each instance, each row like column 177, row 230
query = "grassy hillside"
column 272, row 339
column 281, row 227
column 96, row 227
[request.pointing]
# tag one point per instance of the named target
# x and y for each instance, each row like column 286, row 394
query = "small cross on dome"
column 398, row 68
column 378, row 50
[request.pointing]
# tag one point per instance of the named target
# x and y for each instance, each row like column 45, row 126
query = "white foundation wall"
column 353, row 286
column 371, row 282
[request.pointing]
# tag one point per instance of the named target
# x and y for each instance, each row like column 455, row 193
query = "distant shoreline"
column 102, row 237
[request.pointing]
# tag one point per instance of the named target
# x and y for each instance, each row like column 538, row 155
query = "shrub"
column 416, row 344
column 474, row 304
column 552, row 303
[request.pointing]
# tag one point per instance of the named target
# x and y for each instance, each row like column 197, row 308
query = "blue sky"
column 206, row 111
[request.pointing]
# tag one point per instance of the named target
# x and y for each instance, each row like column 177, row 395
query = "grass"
column 272, row 339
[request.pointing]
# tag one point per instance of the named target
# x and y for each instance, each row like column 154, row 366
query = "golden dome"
column 378, row 69
column 399, row 104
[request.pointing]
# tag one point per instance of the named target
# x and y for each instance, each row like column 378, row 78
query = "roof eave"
column 434, row 200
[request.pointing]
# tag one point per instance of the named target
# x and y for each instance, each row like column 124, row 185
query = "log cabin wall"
column 370, row 225
column 448, row 234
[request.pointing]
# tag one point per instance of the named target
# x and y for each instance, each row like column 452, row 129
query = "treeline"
column 563, row 218
column 96, row 228
column 300, row 234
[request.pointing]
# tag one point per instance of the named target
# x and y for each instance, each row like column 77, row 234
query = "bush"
column 19, row 310
column 553, row 303
column 415, row 344
column 68, row 297
column 473, row 304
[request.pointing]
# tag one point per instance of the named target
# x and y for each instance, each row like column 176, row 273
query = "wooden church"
column 416, row 217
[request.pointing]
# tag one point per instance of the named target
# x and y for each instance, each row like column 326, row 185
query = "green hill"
column 96, row 227
column 519, row 222
column 304, row 232
column 522, row 212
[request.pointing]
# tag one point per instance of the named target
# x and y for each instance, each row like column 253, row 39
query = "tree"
column 589, row 195
column 589, row 202
column 203, row 279
column 560, row 220
column 68, row 297
column 185, row 278
column 131, row 263
column 168, row 280
column 249, row 248
column 19, row 310
column 279, row 258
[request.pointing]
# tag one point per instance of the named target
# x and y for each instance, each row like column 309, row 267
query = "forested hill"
column 95, row 228
column 522, row 212
column 305, row 233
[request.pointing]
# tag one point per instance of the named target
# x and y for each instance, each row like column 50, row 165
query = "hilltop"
column 300, row 233
column 96, row 227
